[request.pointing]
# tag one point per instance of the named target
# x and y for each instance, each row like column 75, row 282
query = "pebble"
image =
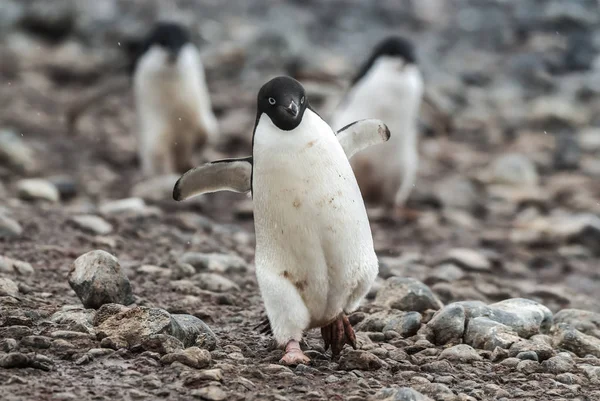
column 128, row 207
column 93, row 224
column 468, row 259
column 215, row 262
column 541, row 350
column 528, row 367
column 153, row 271
column 210, row 393
column 193, row 357
column 182, row 270
column 399, row 394
column 407, row 325
column 97, row 278
column 575, row 341
column 8, row 287
column 66, row 186
column 16, row 331
column 33, row 189
column 215, row 282
column 8, row 265
column 191, row 378
column 407, row 294
column 487, row 334
column 192, row 331
column 446, row 326
column 528, row 356
column 106, row 311
column 360, row 360
column 460, row 353
column 15, row 153
column 9, row 228
column 514, row 169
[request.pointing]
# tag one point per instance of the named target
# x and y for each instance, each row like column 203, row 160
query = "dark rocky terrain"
column 489, row 293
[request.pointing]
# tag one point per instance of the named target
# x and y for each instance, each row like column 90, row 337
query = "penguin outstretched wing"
column 222, row 175
column 361, row 134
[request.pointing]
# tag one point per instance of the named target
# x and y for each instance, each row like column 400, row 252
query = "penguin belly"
column 314, row 247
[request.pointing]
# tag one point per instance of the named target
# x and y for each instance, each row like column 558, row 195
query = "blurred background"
column 510, row 162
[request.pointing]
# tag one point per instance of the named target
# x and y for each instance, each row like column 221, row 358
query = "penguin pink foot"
column 337, row 334
column 294, row 355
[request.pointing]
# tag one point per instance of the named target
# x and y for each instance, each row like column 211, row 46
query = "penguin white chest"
column 310, row 219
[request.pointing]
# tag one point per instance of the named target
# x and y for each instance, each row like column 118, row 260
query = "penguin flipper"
column 222, row 175
column 361, row 134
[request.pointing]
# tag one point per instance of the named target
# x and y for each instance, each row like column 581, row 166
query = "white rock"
column 94, row 224
column 37, row 189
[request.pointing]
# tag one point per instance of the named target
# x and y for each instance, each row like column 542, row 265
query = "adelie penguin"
column 389, row 86
column 172, row 102
column 315, row 259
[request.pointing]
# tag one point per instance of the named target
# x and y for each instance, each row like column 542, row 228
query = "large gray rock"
column 214, row 262
column 9, row 228
column 585, row 321
column 570, row 339
column 446, row 326
column 97, row 279
column 399, row 394
column 135, row 324
column 487, row 334
column 407, row 294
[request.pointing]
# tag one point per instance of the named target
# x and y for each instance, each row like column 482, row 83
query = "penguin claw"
column 337, row 334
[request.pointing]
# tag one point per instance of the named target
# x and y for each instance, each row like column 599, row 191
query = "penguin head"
column 167, row 38
column 284, row 100
column 395, row 51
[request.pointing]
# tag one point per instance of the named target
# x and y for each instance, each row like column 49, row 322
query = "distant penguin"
column 315, row 259
column 173, row 107
column 389, row 87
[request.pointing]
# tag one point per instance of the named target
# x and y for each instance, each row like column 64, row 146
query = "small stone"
column 359, row 360
column 446, row 326
column 214, row 282
column 542, row 350
column 33, row 189
column 39, row 342
column 215, row 262
column 210, row 393
column 399, row 394
column 153, row 271
column 460, row 353
column 182, row 270
column 193, row 357
column 15, row 153
column 444, row 273
column 93, row 224
column 9, row 228
column 487, row 334
column 75, row 319
column 97, row 279
column 560, row 363
column 70, row 335
column 567, row 378
column 585, row 321
column 575, row 341
column 8, row 344
column 511, row 362
column 514, row 169
column 162, row 344
column 528, row 367
column 129, row 207
column 193, row 331
column 407, row 294
column 498, row 354
column 528, row 356
column 8, row 287
column 192, row 378
column 8, row 265
column 66, row 186
column 468, row 259
column 406, row 325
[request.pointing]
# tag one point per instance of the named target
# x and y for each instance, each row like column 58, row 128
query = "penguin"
column 315, row 259
column 388, row 86
column 172, row 102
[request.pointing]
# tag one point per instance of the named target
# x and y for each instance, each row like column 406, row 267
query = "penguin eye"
column 302, row 100
column 272, row 101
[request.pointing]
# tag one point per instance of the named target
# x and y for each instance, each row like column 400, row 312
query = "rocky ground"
column 489, row 293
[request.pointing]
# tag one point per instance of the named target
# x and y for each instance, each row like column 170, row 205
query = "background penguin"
column 315, row 259
column 389, row 86
column 173, row 105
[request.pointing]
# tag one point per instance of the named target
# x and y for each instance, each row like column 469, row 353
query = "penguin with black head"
column 173, row 107
column 389, row 87
column 315, row 259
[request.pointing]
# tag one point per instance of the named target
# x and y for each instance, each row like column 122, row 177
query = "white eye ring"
column 272, row 101
column 302, row 100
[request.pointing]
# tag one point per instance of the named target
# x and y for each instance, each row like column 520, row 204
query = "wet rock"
column 19, row 360
column 215, row 262
column 9, row 228
column 162, row 344
column 542, row 350
column 135, row 324
column 446, row 326
column 468, row 259
column 514, row 169
column 189, row 329
column 40, row 342
column 487, row 334
column 93, row 224
column 97, row 279
column 214, row 282
column 8, row 287
column 8, row 265
column 359, row 360
column 210, row 393
column 33, row 189
column 573, row 340
column 399, row 394
column 15, row 153
column 407, row 294
column 75, row 319
column 585, row 321
column 193, row 357
column 460, row 353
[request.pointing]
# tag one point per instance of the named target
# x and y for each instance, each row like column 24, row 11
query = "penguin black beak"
column 292, row 109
